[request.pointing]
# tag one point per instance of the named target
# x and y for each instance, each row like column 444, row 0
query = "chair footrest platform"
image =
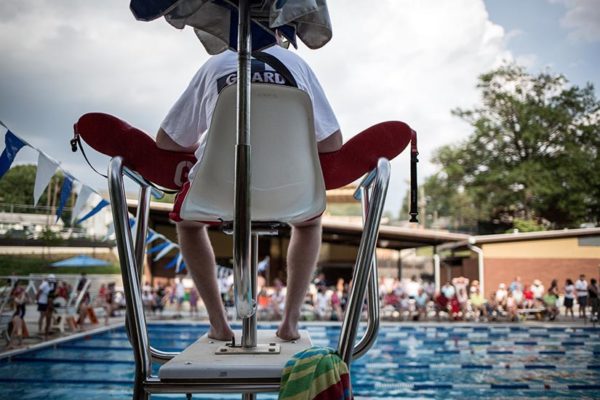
column 201, row 361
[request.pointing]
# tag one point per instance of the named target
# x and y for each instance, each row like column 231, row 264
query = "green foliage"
column 526, row 225
column 532, row 155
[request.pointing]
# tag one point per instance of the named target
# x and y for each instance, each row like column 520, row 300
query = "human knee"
column 310, row 224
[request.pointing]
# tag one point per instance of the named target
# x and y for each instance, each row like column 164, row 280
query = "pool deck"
column 36, row 340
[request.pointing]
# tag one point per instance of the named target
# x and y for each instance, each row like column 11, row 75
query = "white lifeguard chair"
column 278, row 182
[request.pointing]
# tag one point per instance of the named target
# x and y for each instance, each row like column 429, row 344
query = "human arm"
column 331, row 143
column 164, row 141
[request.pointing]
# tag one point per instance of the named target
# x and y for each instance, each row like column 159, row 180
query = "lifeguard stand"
column 263, row 196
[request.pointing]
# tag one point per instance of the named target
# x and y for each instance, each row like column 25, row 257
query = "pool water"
column 407, row 361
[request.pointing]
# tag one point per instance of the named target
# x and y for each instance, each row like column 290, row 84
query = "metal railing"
column 371, row 192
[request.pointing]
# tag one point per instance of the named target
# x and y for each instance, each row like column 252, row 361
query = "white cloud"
column 393, row 59
column 582, row 18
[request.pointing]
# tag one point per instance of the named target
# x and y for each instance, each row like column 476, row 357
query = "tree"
column 533, row 153
column 16, row 189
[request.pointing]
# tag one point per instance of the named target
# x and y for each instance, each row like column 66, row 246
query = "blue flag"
column 172, row 263
column 65, row 192
column 158, row 247
column 103, row 203
column 13, row 145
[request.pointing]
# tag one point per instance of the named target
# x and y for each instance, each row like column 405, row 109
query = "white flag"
column 82, row 197
column 46, row 168
column 164, row 251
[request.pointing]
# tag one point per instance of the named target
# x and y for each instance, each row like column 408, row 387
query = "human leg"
column 200, row 259
column 302, row 256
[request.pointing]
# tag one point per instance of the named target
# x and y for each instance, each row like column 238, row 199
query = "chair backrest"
column 287, row 183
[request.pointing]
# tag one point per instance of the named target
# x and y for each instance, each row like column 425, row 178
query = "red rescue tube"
column 360, row 154
column 112, row 136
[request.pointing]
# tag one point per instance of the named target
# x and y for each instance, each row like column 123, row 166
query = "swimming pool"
column 407, row 361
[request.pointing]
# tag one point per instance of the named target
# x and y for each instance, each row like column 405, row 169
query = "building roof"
column 349, row 232
column 521, row 236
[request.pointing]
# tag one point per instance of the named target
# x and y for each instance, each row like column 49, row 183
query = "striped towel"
column 315, row 373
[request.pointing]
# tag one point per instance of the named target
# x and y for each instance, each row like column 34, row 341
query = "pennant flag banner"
column 157, row 248
column 46, row 168
column 164, row 251
column 13, row 145
column 180, row 264
column 65, row 192
column 152, row 236
column 173, row 262
column 82, row 197
column 103, row 203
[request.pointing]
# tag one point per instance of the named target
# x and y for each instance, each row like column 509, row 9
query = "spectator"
column 412, row 287
column 194, row 297
column 581, row 287
column 448, row 290
column 81, row 282
column 501, row 295
column 528, row 297
column 421, row 304
column 516, row 285
column 477, row 302
column 569, row 297
column 179, row 293
column 45, row 300
column 538, row 290
column 17, row 326
column 511, row 306
column 593, row 293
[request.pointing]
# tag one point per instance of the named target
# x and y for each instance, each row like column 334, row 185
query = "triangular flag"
column 110, row 231
column 103, row 203
column 172, row 263
column 157, row 248
column 65, row 192
column 164, row 251
column 180, row 264
column 82, row 198
column 13, row 145
column 46, row 167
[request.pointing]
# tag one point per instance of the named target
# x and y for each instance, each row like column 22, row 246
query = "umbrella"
column 80, row 261
column 215, row 22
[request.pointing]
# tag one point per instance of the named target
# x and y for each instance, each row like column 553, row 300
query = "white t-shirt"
column 581, row 287
column 190, row 116
column 44, row 289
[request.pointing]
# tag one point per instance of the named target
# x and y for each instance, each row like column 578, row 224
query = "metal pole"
column 135, row 310
column 141, row 217
column 249, row 324
column 364, row 260
column 368, row 339
column 480, row 268
column 245, row 304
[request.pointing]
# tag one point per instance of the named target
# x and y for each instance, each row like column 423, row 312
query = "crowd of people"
column 53, row 296
column 400, row 300
column 457, row 300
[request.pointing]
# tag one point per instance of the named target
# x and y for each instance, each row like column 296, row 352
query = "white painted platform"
column 200, row 361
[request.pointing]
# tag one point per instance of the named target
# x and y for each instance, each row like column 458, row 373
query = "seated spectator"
column 492, row 308
column 441, row 303
column 528, row 297
column 538, row 291
column 421, row 303
column 448, row 290
column 511, row 307
column 456, row 312
column 550, row 300
column 477, row 302
column 501, row 295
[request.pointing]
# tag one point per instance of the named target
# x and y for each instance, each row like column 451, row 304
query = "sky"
column 408, row 60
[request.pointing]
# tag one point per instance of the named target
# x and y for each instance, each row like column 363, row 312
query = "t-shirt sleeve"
column 325, row 121
column 186, row 121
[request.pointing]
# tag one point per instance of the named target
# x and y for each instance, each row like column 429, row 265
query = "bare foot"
column 287, row 334
column 224, row 336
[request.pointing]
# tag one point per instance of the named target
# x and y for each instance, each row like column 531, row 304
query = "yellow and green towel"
column 316, row 373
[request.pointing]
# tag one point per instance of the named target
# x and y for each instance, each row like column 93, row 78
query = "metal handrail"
column 379, row 178
column 136, row 320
